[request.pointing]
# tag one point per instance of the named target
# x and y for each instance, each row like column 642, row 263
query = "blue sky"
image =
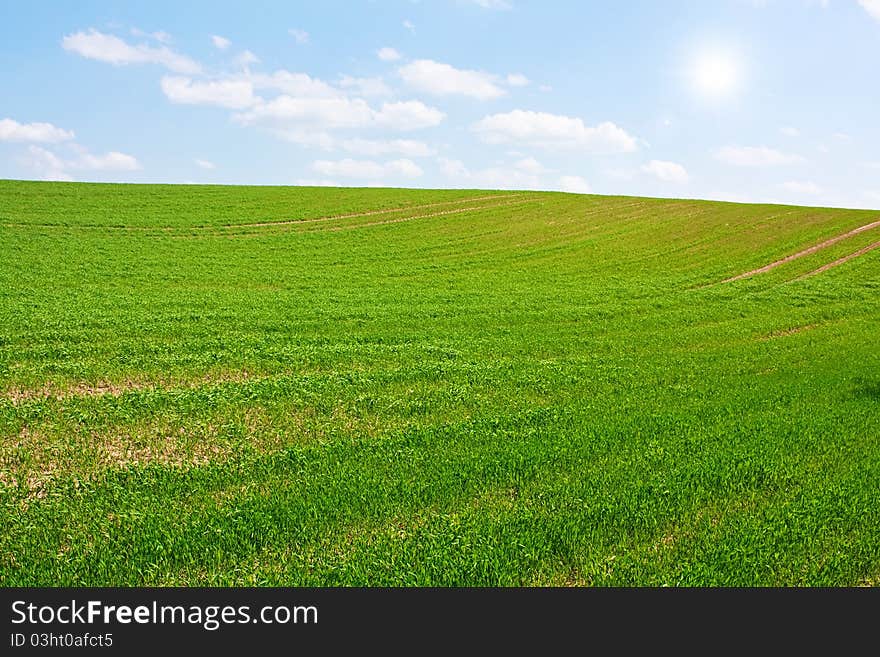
column 752, row 100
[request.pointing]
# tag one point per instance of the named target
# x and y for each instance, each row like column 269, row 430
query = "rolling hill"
column 208, row 385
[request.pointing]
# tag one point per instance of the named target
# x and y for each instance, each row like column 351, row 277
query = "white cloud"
column 517, row 80
column 755, row 156
column 293, row 84
column 237, row 91
column 790, row 131
column 307, row 110
column 802, row 187
column 365, row 86
column 506, row 177
column 357, row 145
column 112, row 161
column 341, row 113
column 530, row 165
column 408, row 115
column 246, row 58
column 666, row 171
column 230, row 93
column 11, row 130
column 408, row 24
column 112, row 49
column 453, row 168
column 205, row 164
column 329, row 113
column 48, row 165
column 872, row 7
column 444, row 80
column 553, row 131
column 574, row 185
column 491, row 4
column 375, row 147
column 405, row 167
column 160, row 36
column 221, row 43
column 53, row 167
column 309, row 138
column 387, row 54
column 300, row 36
column 367, row 169
column 843, row 136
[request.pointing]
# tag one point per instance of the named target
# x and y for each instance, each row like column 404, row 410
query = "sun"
column 716, row 74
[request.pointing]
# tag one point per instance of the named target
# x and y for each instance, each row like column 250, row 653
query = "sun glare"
column 716, row 75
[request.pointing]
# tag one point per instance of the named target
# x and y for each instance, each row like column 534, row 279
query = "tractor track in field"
column 840, row 261
column 368, row 213
column 260, row 224
column 810, row 251
column 436, row 214
column 322, row 228
column 441, row 213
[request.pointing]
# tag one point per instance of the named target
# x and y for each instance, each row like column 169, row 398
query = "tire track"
column 398, row 220
column 805, row 252
column 368, row 213
column 840, row 261
column 432, row 214
column 282, row 222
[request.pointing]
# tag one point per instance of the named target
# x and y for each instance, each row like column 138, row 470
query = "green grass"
column 527, row 389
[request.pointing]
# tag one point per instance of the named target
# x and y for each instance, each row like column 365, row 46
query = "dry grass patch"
column 18, row 395
column 30, row 461
column 786, row 332
column 33, row 459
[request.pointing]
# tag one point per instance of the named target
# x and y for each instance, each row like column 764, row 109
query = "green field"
column 206, row 385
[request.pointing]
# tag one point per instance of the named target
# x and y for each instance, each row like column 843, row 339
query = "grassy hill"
column 311, row 386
